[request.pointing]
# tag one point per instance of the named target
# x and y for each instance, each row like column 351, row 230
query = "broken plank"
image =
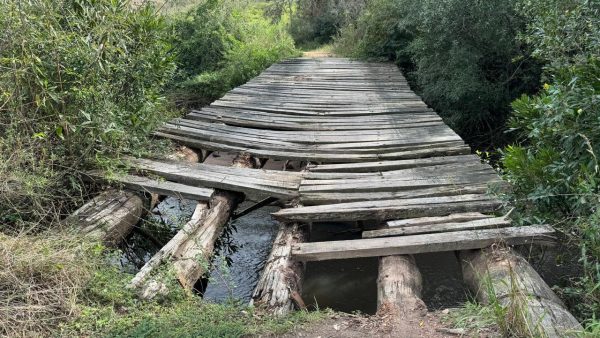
column 461, row 217
column 460, row 240
column 385, row 210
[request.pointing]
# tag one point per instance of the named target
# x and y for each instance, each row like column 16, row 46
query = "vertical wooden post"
column 399, row 285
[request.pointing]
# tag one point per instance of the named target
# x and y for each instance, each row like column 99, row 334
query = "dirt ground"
column 360, row 326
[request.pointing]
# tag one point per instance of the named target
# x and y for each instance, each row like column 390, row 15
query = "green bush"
column 461, row 56
column 316, row 22
column 554, row 167
column 80, row 80
column 222, row 44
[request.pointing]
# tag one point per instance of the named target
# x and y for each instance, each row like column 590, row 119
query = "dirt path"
column 322, row 52
column 359, row 326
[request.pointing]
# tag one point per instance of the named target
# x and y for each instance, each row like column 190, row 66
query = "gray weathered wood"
column 534, row 308
column 110, row 216
column 460, row 217
column 404, row 245
column 161, row 187
column 485, row 223
column 281, row 278
column 391, row 209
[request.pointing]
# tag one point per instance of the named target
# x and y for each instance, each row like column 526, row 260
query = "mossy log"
column 280, row 284
column 507, row 278
column 191, row 249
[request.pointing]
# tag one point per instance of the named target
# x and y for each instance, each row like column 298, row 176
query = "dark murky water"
column 252, row 244
column 351, row 285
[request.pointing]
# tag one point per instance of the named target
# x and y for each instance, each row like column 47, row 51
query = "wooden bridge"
column 372, row 153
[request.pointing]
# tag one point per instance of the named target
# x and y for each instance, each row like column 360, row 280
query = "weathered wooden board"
column 160, row 187
column 461, row 217
column 385, row 210
column 403, row 245
column 200, row 175
column 497, row 222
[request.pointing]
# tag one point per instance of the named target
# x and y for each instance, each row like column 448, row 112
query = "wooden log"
column 280, row 283
column 503, row 276
column 399, row 286
column 110, row 216
column 191, row 250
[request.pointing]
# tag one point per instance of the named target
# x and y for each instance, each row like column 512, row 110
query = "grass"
column 472, row 317
column 64, row 285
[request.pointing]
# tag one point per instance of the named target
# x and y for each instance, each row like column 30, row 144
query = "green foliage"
column 318, row 21
column 80, row 80
column 222, row 44
column 473, row 317
column 554, row 167
column 109, row 308
column 462, row 57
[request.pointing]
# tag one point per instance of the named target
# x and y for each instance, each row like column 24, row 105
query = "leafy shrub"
column 222, row 44
column 81, row 80
column 462, row 57
column 554, row 167
column 318, row 21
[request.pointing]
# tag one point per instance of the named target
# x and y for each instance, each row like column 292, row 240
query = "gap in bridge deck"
column 350, row 285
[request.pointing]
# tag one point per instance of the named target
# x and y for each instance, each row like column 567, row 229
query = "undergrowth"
column 63, row 285
column 222, row 44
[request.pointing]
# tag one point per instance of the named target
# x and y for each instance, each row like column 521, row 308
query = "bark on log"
column 110, row 216
column 280, row 283
column 191, row 249
column 504, row 276
column 399, row 285
column 399, row 303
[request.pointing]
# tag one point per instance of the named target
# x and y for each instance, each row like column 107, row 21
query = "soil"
column 361, row 326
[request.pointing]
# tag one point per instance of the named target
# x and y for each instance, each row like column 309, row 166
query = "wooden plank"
column 191, row 175
column 377, row 166
column 450, row 241
column 461, row 217
column 497, row 222
column 320, row 198
column 166, row 188
column 385, row 210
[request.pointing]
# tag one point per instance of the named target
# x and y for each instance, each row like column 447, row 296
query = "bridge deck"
column 375, row 152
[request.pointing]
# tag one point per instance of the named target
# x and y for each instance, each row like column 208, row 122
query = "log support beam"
column 110, row 216
column 503, row 276
column 280, row 285
column 399, row 285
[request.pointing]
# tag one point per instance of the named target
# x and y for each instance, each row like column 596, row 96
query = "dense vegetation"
column 524, row 73
column 222, row 44
column 83, row 82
